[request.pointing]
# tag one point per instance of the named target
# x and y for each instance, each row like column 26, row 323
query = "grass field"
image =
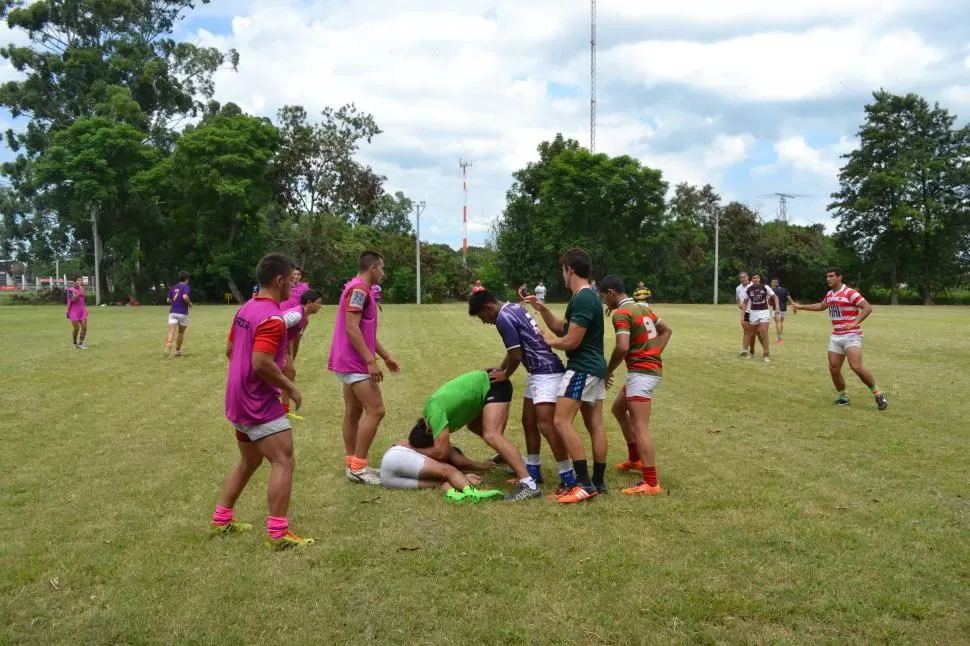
column 785, row 519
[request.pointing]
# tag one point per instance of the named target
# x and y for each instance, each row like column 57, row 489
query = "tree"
column 572, row 197
column 219, row 180
column 904, row 198
column 393, row 215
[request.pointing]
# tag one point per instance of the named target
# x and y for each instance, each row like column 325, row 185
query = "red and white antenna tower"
column 464, row 213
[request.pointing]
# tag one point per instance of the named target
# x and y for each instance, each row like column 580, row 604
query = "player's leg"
column 83, row 334
column 490, row 425
column 250, row 457
column 571, row 390
column 75, row 328
column 277, row 448
column 353, row 411
column 533, row 439
column 779, row 325
column 639, row 396
column 368, row 393
column 836, row 359
column 593, row 421
column 545, row 414
column 172, row 325
column 763, row 338
column 621, row 412
column 854, row 355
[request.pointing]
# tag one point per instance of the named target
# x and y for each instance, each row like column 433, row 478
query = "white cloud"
column 795, row 152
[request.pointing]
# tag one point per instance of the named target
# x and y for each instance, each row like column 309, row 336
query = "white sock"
column 565, row 466
column 529, row 482
column 533, row 460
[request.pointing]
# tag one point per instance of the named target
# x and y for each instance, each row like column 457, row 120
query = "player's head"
column 311, row 300
column 833, row 276
column 612, row 290
column 274, row 273
column 542, row 282
column 485, row 305
column 774, row 282
column 743, row 277
column 756, row 279
column 478, row 283
column 420, row 437
column 641, row 285
column 78, row 281
column 575, row 263
column 297, row 275
column 370, row 264
column 183, row 276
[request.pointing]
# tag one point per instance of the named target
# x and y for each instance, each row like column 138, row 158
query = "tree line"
column 123, row 134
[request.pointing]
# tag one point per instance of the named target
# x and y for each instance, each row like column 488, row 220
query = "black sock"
column 74, row 335
column 599, row 471
column 582, row 473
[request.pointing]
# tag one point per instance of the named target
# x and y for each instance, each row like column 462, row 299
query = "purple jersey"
column 175, row 294
column 520, row 330
column 250, row 400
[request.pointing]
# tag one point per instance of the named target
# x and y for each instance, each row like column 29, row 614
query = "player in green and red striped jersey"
column 640, row 340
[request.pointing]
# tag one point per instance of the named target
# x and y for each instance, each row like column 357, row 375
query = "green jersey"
column 457, row 402
column 586, row 310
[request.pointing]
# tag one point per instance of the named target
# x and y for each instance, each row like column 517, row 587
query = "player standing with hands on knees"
column 353, row 359
column 848, row 309
column 256, row 350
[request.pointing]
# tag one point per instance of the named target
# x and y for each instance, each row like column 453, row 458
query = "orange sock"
column 348, row 459
column 357, row 464
column 286, row 407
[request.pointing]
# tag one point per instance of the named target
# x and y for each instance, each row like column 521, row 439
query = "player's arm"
column 441, row 449
column 810, row 307
column 621, row 326
column 511, row 362
column 663, row 333
column 571, row 340
column 460, row 462
column 268, row 338
column 187, row 300
column 552, row 321
column 865, row 309
column 229, row 340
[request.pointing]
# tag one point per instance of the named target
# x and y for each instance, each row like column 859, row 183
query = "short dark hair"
column 419, row 437
column 183, row 276
column 298, row 268
column 577, row 260
column 612, row 282
column 309, row 296
column 368, row 258
column 272, row 265
column 478, row 301
column 834, row 270
column 77, row 278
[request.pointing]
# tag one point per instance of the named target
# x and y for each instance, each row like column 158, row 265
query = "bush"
column 54, row 296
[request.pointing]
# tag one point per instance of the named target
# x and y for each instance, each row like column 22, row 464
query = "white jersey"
column 741, row 294
column 541, row 292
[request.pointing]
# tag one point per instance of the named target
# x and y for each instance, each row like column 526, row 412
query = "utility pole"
column 592, row 77
column 418, row 208
column 464, row 214
column 717, row 248
column 97, row 255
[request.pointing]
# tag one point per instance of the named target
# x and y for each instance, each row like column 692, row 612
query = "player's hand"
column 392, row 365
column 495, row 374
column 474, row 478
column 296, row 397
column 374, row 370
column 534, row 301
column 609, row 380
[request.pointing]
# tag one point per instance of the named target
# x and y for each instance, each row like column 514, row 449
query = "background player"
column 782, row 296
column 758, row 302
column 523, row 291
column 378, row 293
column 524, row 344
column 353, row 359
column 178, row 314
column 642, row 293
column 583, row 387
column 848, row 309
column 77, row 313
column 297, row 319
column 640, row 340
column 541, row 291
column 740, row 294
column 256, row 350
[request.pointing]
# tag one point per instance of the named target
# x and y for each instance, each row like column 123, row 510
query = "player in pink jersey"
column 256, row 350
column 296, row 320
column 353, row 359
column 77, row 313
column 848, row 310
column 296, row 292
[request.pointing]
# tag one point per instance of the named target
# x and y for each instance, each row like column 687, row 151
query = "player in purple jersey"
column 178, row 314
column 524, row 344
column 256, row 350
column 77, row 313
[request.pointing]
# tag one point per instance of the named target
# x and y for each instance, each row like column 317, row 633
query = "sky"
column 752, row 96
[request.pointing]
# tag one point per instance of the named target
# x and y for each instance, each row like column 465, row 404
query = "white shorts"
column 401, row 468
column 779, row 314
column 839, row 343
column 351, row 378
column 640, row 387
column 543, row 389
column 259, row 431
column 758, row 317
column 582, row 386
column 178, row 319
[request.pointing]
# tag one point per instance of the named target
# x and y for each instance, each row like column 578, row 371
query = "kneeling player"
column 474, row 401
column 405, row 467
column 640, row 339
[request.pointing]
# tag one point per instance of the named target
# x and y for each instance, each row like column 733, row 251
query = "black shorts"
column 747, row 317
column 499, row 393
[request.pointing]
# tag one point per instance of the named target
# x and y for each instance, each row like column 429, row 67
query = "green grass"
column 785, row 520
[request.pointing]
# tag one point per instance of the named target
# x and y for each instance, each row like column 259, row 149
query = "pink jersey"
column 356, row 297
column 76, row 310
column 296, row 321
column 844, row 308
column 250, row 400
column 295, row 293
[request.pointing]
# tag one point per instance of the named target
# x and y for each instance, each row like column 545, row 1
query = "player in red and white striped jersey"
column 848, row 310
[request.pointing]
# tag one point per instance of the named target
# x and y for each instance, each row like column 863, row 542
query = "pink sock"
column 222, row 515
column 277, row 526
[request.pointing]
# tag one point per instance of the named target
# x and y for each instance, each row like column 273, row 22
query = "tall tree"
column 904, row 197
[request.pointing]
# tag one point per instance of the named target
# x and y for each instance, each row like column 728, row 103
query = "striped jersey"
column 640, row 322
column 843, row 309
